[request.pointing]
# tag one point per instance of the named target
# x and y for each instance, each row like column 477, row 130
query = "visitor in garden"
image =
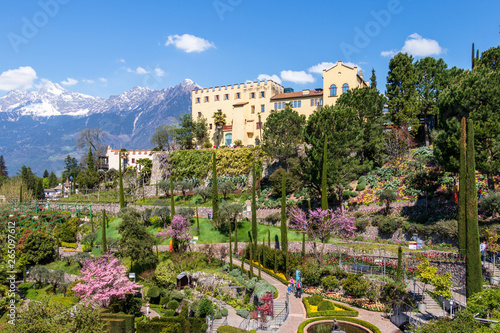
column 482, row 248
column 292, row 283
column 298, row 288
column 147, row 309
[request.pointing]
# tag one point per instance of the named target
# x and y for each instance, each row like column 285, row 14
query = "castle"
column 247, row 105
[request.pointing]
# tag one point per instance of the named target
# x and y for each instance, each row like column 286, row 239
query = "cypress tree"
column 230, row 251
column 235, row 236
column 250, row 272
column 269, row 238
column 473, row 274
column 324, row 197
column 123, row 204
column 275, row 251
column 215, row 190
column 243, row 255
column 21, row 192
column 473, row 55
column 260, row 259
column 197, row 221
column 284, row 236
column 254, row 207
column 172, row 201
column 399, row 271
column 103, row 226
column 462, row 229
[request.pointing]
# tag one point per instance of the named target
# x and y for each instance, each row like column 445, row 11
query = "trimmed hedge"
column 349, row 312
column 363, row 323
column 70, row 245
column 118, row 322
column 231, row 329
column 268, row 271
column 176, row 324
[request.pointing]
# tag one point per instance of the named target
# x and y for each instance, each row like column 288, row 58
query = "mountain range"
column 39, row 128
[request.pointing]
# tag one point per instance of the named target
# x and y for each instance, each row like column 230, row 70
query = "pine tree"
column 45, row 173
column 254, row 206
column 399, row 271
column 462, row 225
column 373, row 80
column 284, row 236
column 103, row 226
column 324, row 195
column 123, row 203
column 90, row 161
column 215, row 190
column 473, row 274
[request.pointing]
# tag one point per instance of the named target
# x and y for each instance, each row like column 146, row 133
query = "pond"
column 326, row 327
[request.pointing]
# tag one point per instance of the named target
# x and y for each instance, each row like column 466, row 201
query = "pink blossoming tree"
column 178, row 230
column 103, row 280
column 322, row 225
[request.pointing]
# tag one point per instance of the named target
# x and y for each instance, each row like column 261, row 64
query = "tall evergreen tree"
column 324, row 192
column 215, row 189
column 462, row 201
column 21, row 192
column 473, row 274
column 123, row 203
column 250, row 271
column 45, row 174
column 103, row 226
column 284, row 229
column 172, row 199
column 52, row 180
column 373, row 80
column 254, row 206
column 230, row 250
column 399, row 271
column 3, row 168
column 39, row 189
column 401, row 91
column 90, row 161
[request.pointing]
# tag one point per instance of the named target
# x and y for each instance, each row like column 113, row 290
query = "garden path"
column 152, row 313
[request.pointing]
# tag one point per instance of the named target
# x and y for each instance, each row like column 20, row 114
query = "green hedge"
column 349, row 312
column 70, row 245
column 275, row 293
column 196, row 325
column 363, row 323
column 119, row 323
column 231, row 329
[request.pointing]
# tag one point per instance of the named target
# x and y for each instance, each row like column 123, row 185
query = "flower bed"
column 278, row 276
column 363, row 323
column 340, row 310
column 359, row 302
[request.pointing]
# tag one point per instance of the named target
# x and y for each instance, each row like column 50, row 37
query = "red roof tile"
column 297, row 94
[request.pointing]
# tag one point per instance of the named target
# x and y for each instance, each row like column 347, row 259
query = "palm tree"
column 220, row 121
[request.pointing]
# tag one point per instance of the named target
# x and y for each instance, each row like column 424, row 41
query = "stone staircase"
column 278, row 307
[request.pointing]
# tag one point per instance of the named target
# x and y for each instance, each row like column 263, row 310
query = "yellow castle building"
column 247, row 105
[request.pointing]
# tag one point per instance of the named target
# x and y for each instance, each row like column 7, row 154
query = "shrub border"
column 349, row 312
column 269, row 272
column 363, row 323
column 325, row 296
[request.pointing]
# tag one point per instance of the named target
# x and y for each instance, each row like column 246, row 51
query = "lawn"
column 207, row 232
column 64, row 266
column 39, row 294
column 192, row 200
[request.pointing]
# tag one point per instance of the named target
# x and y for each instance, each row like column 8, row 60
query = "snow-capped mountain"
column 38, row 128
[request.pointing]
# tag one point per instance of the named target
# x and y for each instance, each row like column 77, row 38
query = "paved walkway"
column 152, row 313
column 298, row 312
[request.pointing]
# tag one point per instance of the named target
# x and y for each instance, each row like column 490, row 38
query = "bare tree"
column 93, row 138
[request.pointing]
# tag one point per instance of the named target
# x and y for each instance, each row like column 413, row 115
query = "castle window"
column 263, row 108
column 345, row 87
column 253, row 108
column 216, row 97
column 226, row 97
column 197, row 100
column 333, row 90
column 210, row 127
column 238, row 95
column 206, row 98
column 262, row 94
column 252, row 95
column 199, row 114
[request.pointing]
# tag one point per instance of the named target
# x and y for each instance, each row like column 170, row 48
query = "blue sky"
column 103, row 48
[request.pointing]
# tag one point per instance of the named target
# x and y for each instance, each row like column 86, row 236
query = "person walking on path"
column 147, row 309
column 298, row 289
column 482, row 248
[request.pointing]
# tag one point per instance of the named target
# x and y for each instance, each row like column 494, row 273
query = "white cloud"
column 274, row 77
column 297, row 76
column 121, row 60
column 320, row 67
column 390, row 53
column 88, row 81
column 103, row 79
column 20, row 78
column 159, row 72
column 69, row 82
column 189, row 43
column 139, row 70
column 417, row 46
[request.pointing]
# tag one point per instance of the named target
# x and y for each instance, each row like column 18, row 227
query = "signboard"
column 131, row 276
column 297, row 275
column 194, row 240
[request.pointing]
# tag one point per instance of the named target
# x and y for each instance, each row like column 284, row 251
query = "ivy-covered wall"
column 230, row 162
